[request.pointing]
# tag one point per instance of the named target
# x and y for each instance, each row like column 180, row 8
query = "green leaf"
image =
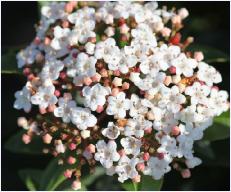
column 31, row 178
column 211, row 55
column 149, row 184
column 52, row 176
column 220, row 128
column 89, row 179
column 16, row 145
column 9, row 63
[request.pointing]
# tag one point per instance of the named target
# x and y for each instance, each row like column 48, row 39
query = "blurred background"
column 208, row 23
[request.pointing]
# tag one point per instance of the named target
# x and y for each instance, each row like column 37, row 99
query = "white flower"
column 208, row 74
column 156, row 168
column 44, row 97
column 86, row 65
column 95, row 96
column 218, row 101
column 126, row 62
column 52, row 69
column 184, row 65
column 198, row 93
column 64, row 109
column 27, row 56
column 90, row 48
column 109, row 52
column 60, row 39
column 23, row 99
column 131, row 145
column 60, row 148
column 137, row 106
column 85, row 133
column 106, row 153
column 185, row 146
column 118, row 105
column 112, row 131
column 193, row 162
column 126, row 168
column 82, row 118
column 172, row 99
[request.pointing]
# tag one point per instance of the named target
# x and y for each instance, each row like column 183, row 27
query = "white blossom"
column 131, row 145
column 23, row 99
column 112, row 131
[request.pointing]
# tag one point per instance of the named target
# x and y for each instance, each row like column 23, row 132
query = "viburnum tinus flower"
column 113, row 85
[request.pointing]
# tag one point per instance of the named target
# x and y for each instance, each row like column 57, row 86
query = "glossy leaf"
column 211, row 54
column 31, row 178
column 220, row 128
column 149, row 184
column 130, row 186
column 16, row 145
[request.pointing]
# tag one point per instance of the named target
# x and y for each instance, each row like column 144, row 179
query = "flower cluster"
column 114, row 84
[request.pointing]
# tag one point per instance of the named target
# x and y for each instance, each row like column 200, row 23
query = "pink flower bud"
column 47, row 138
column 69, row 7
column 172, row 70
column 160, row 156
column 99, row 109
column 148, row 130
column 146, row 156
column 57, row 93
column 67, row 173
column 103, row 73
column 37, row 41
column 87, row 80
column 140, row 166
column 22, row 122
column 76, row 185
column 30, row 77
column 47, row 41
column 115, row 91
column 136, row 179
column 42, row 110
column 72, row 146
column 215, row 88
column 96, row 77
column 65, row 24
column 168, row 80
column 26, row 138
column 62, row 75
column 175, row 130
column 73, row 3
column 166, row 32
column 116, row 72
column 125, row 85
column 176, row 19
column 199, row 56
column 183, row 13
column 71, row 160
column 121, row 152
column 26, row 71
column 142, row 92
column 90, row 148
column 124, row 29
column 51, row 108
column 186, row 173
column 74, row 55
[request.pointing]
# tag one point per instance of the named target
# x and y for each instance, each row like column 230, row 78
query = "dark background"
column 208, row 23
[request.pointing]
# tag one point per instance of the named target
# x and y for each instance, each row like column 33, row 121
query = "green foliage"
column 220, row 128
column 16, row 145
column 147, row 184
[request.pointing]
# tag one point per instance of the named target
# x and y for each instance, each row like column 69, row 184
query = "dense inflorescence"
column 112, row 82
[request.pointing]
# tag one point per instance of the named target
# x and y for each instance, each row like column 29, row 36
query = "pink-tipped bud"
column 172, row 70
column 103, row 73
column 67, row 173
column 51, row 108
column 22, row 122
column 73, row 3
column 140, row 166
column 136, row 179
column 57, row 93
column 64, row 136
column 146, row 156
column 121, row 152
column 87, row 80
column 74, row 55
column 115, row 91
column 166, row 32
column 26, row 138
column 47, row 138
column 160, row 156
column 117, row 82
column 99, row 109
column 69, row 8
column 30, row 77
column 42, row 110
column 116, row 72
column 90, row 148
column 96, row 77
column 186, row 173
column 26, row 71
column 72, row 146
column 199, row 56
column 76, row 185
column 215, row 88
column 176, row 19
column 148, row 130
column 62, row 75
column 168, row 80
column 47, row 41
column 71, row 160
column 125, row 85
column 142, row 92
column 37, row 41
column 175, row 130
column 65, row 24
column 124, row 29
